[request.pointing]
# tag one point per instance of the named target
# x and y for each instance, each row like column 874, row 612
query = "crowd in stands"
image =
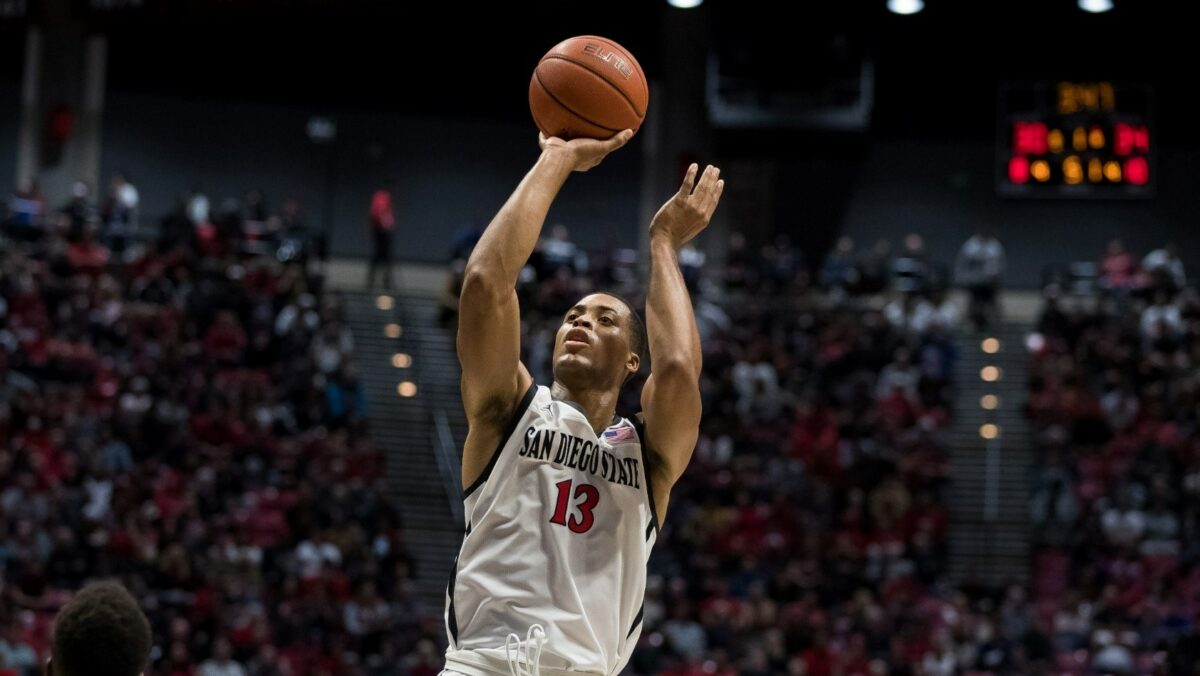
column 181, row 411
column 1114, row 401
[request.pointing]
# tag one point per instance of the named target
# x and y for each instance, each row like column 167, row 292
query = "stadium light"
column 1095, row 6
column 685, row 4
column 907, row 6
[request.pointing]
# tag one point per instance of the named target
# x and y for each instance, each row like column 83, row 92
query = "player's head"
column 100, row 632
column 600, row 343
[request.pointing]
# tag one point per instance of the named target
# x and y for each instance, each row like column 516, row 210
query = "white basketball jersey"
column 559, row 528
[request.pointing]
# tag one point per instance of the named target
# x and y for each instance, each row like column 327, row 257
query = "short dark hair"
column 637, row 327
column 101, row 632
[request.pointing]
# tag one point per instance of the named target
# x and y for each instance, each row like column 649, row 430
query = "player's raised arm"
column 489, row 324
column 671, row 396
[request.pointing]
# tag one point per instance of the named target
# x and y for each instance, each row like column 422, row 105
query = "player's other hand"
column 583, row 153
column 689, row 210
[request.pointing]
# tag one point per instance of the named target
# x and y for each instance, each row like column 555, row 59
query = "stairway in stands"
column 990, row 479
column 421, row 434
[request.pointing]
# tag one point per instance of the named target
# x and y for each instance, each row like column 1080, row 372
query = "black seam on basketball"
column 567, row 108
column 632, row 58
column 581, row 64
column 508, row 430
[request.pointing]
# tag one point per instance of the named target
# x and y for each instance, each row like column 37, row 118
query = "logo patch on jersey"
column 616, row 436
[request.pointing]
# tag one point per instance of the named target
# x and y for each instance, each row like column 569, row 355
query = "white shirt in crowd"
column 225, row 668
column 1160, row 260
column 1123, row 527
column 980, row 260
column 313, row 556
column 1165, row 312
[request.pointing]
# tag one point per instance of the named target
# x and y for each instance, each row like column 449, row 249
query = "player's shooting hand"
column 583, row 153
column 689, row 210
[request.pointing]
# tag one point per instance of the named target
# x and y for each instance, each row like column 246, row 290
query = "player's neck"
column 600, row 406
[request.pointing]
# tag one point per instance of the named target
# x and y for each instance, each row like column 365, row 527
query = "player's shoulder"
column 624, row 431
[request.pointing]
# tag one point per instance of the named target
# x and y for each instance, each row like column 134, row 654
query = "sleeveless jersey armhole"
column 517, row 414
column 641, row 432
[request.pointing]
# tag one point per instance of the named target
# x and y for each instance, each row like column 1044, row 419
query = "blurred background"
column 950, row 335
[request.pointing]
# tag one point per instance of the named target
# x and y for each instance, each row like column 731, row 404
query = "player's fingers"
column 714, row 198
column 618, row 140
column 689, row 179
column 705, row 184
column 709, row 180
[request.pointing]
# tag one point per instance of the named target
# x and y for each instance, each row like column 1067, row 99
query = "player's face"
column 592, row 343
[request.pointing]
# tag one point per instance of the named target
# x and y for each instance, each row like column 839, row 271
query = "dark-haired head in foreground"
column 101, row 632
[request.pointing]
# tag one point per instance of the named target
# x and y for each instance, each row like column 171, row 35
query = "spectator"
column 979, row 267
column 120, row 212
column 79, row 210
column 1118, row 270
column 557, row 252
column 101, row 630
column 198, row 207
column 17, row 657
column 87, row 255
column 367, row 618
column 839, row 274
column 911, row 313
column 1161, row 320
column 383, row 226
column 27, row 212
column 1164, row 269
column 221, row 663
column 911, row 271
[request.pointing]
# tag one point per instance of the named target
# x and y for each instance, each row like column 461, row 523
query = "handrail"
column 448, row 463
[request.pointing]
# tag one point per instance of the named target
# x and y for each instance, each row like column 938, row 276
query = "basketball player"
column 100, row 632
column 563, row 497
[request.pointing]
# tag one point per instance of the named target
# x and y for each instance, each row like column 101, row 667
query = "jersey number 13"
column 585, row 498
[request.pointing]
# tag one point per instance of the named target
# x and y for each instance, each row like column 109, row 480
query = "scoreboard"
column 1075, row 140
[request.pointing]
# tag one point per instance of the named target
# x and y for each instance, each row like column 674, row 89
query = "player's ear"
column 632, row 364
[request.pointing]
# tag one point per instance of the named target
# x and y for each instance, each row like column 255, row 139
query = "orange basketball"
column 590, row 87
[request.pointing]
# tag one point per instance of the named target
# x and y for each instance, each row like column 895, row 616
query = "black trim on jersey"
column 649, row 530
column 636, row 620
column 451, row 617
column 508, row 430
column 641, row 432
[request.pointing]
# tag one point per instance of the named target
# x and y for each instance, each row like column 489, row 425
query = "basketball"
column 588, row 87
